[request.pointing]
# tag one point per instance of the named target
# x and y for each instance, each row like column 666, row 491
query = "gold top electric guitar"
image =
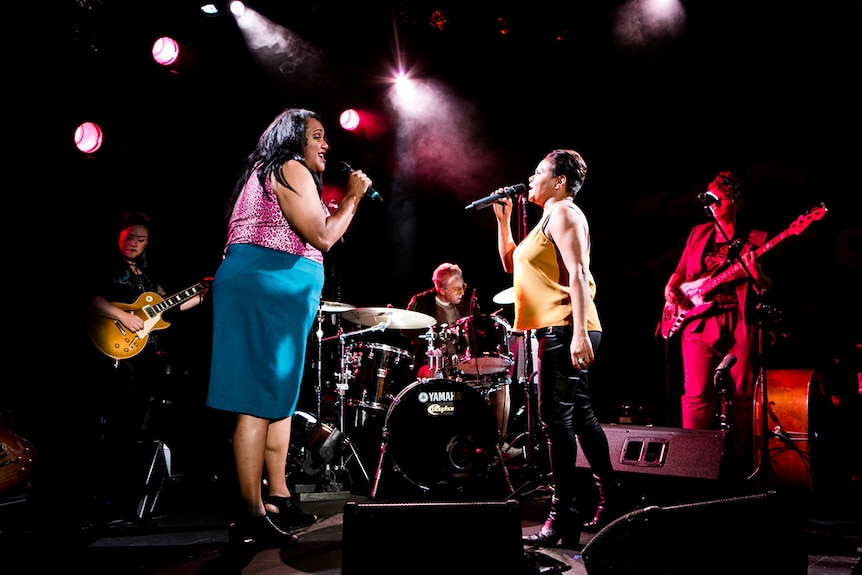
column 116, row 341
column 696, row 301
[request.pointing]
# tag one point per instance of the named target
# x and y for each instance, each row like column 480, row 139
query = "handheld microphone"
column 507, row 193
column 372, row 193
column 708, row 198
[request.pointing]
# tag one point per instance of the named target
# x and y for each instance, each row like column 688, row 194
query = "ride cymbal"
column 393, row 317
column 335, row 306
column 507, row 296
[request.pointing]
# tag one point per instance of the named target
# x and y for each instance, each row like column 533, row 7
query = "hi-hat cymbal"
column 335, row 306
column 506, row 296
column 393, row 317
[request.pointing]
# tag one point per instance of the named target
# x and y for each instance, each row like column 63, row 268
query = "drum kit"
column 438, row 432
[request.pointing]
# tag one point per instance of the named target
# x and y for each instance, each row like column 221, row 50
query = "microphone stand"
column 529, row 375
column 762, row 464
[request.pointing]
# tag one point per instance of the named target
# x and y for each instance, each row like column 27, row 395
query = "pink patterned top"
column 257, row 219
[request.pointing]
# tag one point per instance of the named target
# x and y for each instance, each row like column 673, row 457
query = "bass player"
column 728, row 326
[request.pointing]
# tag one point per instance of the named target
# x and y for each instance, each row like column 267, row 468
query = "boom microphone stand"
column 734, row 254
column 533, row 435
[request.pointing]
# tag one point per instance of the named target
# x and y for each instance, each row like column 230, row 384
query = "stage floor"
column 670, row 519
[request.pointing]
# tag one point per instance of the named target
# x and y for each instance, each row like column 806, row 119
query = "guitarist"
column 121, row 409
column 728, row 326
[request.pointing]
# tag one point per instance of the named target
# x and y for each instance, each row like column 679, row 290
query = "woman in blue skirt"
column 266, row 293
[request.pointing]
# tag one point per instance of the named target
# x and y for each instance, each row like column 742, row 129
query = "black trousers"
column 566, row 412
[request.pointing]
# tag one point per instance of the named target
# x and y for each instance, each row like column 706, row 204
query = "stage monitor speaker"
column 747, row 534
column 432, row 537
column 663, row 450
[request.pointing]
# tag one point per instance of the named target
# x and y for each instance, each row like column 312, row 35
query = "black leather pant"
column 566, row 411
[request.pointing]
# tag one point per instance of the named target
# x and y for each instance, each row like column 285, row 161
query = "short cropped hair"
column 444, row 272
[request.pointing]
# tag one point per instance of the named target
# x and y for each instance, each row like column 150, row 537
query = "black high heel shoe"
column 561, row 528
column 290, row 515
column 258, row 531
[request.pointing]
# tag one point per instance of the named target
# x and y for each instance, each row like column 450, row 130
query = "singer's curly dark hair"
column 729, row 184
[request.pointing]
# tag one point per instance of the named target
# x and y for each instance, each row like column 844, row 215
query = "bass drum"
column 442, row 435
column 795, row 407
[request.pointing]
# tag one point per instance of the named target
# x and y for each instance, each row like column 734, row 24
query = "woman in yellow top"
column 554, row 296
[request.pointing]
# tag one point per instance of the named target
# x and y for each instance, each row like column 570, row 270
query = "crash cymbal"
column 394, row 317
column 335, row 306
column 506, row 296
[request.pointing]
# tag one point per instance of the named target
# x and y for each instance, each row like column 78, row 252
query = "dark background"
column 768, row 90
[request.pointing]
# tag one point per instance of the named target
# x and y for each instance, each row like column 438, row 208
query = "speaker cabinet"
column 432, row 537
column 740, row 535
column 663, row 450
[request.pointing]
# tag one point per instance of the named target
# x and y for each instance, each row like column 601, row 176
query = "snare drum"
column 482, row 344
column 441, row 434
column 379, row 372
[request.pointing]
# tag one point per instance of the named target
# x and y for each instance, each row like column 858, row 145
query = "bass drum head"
column 442, row 435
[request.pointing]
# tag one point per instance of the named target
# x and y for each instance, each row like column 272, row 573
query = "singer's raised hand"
column 503, row 206
column 357, row 184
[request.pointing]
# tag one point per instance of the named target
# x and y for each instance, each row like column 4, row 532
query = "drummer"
column 447, row 304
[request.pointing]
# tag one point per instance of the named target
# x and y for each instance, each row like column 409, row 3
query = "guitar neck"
column 734, row 270
column 176, row 299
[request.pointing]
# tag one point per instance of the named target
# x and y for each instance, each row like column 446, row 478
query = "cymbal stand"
column 318, row 386
column 533, row 430
column 343, row 383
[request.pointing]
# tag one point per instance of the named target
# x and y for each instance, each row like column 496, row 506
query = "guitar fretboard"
column 176, row 299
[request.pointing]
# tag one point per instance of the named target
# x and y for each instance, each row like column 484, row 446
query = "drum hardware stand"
column 343, row 383
column 530, row 434
column 318, row 386
column 435, row 355
column 342, row 386
column 380, row 461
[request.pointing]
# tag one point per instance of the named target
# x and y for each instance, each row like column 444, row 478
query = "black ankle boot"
column 608, row 507
column 289, row 515
column 562, row 528
column 258, row 531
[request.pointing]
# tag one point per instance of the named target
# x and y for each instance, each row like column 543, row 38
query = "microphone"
column 708, row 198
column 372, row 193
column 726, row 363
column 507, row 193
